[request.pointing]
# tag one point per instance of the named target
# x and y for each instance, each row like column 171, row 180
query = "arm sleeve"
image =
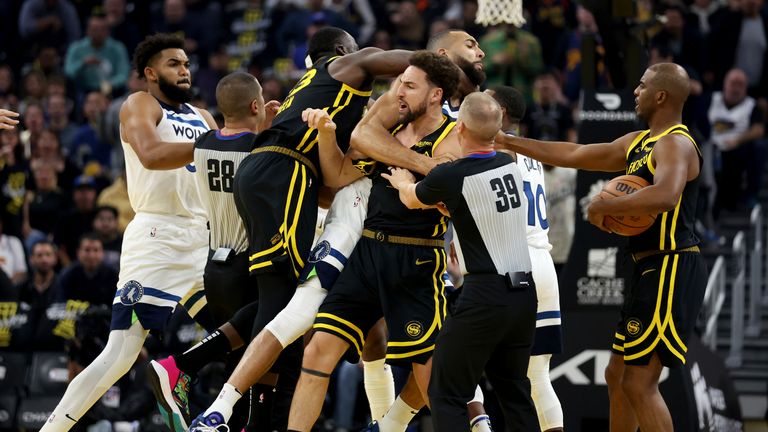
column 438, row 185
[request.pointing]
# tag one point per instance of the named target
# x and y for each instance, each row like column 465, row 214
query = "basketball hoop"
column 492, row 12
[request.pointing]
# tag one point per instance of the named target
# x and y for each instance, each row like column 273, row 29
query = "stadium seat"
column 49, row 375
column 8, row 404
column 34, row 411
column 13, row 373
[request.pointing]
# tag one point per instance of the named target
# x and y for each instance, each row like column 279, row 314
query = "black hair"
column 151, row 46
column 89, row 236
column 234, row 94
column 325, row 41
column 441, row 72
column 511, row 100
column 108, row 208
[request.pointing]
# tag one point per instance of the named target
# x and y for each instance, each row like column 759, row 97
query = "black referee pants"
column 485, row 337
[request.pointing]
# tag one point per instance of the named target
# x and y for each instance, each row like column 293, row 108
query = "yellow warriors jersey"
column 316, row 89
column 385, row 210
column 674, row 229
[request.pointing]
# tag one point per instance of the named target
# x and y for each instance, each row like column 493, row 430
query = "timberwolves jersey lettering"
column 316, row 89
column 217, row 158
column 537, row 225
column 387, row 213
column 169, row 192
column 673, row 229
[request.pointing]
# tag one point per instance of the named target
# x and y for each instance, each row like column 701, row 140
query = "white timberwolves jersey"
column 168, row 192
column 537, row 225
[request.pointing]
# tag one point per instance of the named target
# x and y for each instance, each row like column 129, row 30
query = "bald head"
column 481, row 116
column 673, row 79
column 235, row 93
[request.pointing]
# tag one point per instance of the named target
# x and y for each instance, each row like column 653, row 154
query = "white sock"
column 379, row 387
column 89, row 386
column 481, row 423
column 398, row 417
column 224, row 402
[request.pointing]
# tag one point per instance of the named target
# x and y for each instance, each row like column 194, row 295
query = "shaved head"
column 481, row 116
column 235, row 93
column 671, row 78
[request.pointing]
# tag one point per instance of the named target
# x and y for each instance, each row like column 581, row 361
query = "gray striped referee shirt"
column 217, row 158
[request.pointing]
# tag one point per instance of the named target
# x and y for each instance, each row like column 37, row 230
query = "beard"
column 412, row 115
column 476, row 76
column 173, row 91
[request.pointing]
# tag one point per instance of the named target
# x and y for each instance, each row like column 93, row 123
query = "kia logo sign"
column 571, row 368
column 610, row 101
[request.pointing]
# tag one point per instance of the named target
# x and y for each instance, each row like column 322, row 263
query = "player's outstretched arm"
column 592, row 157
column 362, row 66
column 337, row 169
column 139, row 116
column 372, row 138
column 674, row 157
column 8, row 119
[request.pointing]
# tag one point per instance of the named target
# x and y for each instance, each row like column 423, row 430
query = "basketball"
column 626, row 225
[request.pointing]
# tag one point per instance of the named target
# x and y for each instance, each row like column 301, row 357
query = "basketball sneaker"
column 213, row 422
column 171, row 387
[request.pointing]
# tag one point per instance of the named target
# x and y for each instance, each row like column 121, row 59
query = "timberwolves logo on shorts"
column 634, row 326
column 413, row 329
column 131, row 293
column 320, row 251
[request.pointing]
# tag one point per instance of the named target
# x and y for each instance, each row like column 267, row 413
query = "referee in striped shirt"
column 492, row 327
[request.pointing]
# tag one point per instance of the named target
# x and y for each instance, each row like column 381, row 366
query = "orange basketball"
column 626, row 225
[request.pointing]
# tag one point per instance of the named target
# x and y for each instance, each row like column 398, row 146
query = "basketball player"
column 343, row 228
column 396, row 269
column 8, row 119
column 228, row 286
column 493, row 325
column 276, row 187
column 669, row 278
column 548, row 339
column 166, row 244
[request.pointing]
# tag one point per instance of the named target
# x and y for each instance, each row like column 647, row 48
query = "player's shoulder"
column 140, row 103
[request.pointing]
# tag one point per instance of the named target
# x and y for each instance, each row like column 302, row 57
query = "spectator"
column 198, row 36
column 683, row 40
column 48, row 148
column 88, row 279
column 12, row 259
column 550, row 22
column 34, row 89
column 548, row 118
column 116, row 195
column 106, row 228
column 48, row 62
column 560, row 184
column 740, row 42
column 36, row 290
column 98, row 62
column 705, row 14
column 14, row 175
column 410, row 27
column 110, row 125
column 207, row 78
column 49, row 23
column 42, row 204
column 358, row 12
column 8, row 96
column 88, row 144
column 120, row 28
column 59, row 109
column 737, row 130
column 76, row 221
column 33, row 121
column 293, row 29
column 512, row 57
column 571, row 64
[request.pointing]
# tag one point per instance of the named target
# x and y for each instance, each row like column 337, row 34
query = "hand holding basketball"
column 625, row 225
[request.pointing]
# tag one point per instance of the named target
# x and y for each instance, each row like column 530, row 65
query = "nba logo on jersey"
column 131, row 293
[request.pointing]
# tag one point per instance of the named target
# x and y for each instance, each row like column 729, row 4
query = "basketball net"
column 492, row 12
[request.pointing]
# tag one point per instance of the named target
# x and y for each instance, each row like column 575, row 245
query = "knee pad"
column 298, row 316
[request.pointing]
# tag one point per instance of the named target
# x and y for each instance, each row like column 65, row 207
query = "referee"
column 493, row 326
